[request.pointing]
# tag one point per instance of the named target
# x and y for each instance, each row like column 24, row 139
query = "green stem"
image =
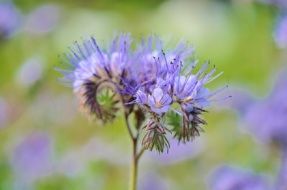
column 135, row 155
column 134, row 167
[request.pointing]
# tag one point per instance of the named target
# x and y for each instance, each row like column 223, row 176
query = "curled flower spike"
column 93, row 71
column 153, row 84
column 155, row 137
column 191, row 123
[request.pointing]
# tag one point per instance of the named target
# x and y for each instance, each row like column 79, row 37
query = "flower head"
column 96, row 75
column 144, row 79
column 9, row 19
column 30, row 72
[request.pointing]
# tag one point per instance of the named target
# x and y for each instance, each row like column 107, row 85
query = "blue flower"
column 159, row 101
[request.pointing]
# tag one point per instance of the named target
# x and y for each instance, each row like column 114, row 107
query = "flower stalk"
column 134, row 166
column 135, row 154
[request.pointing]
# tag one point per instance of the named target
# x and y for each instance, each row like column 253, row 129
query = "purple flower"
column 32, row 158
column 9, row 19
column 144, row 78
column 232, row 178
column 30, row 72
column 281, row 182
column 280, row 34
column 94, row 70
column 158, row 101
column 184, row 87
column 241, row 100
column 153, row 181
column 168, row 80
column 43, row 19
column 141, row 97
column 193, row 97
column 267, row 119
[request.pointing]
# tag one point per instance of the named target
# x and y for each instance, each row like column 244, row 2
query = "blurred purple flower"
column 30, row 72
column 240, row 102
column 282, row 4
column 152, row 181
column 10, row 19
column 281, row 182
column 267, row 119
column 178, row 152
column 32, row 158
column 280, row 34
column 43, row 19
column 232, row 178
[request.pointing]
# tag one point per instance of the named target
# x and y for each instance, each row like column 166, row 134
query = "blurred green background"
column 77, row 153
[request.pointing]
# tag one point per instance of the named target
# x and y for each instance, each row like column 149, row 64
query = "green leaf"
column 174, row 121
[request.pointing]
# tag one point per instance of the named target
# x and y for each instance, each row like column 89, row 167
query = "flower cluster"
column 146, row 80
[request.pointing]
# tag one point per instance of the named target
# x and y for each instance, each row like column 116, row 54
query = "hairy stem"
column 135, row 155
column 134, row 167
column 141, row 152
